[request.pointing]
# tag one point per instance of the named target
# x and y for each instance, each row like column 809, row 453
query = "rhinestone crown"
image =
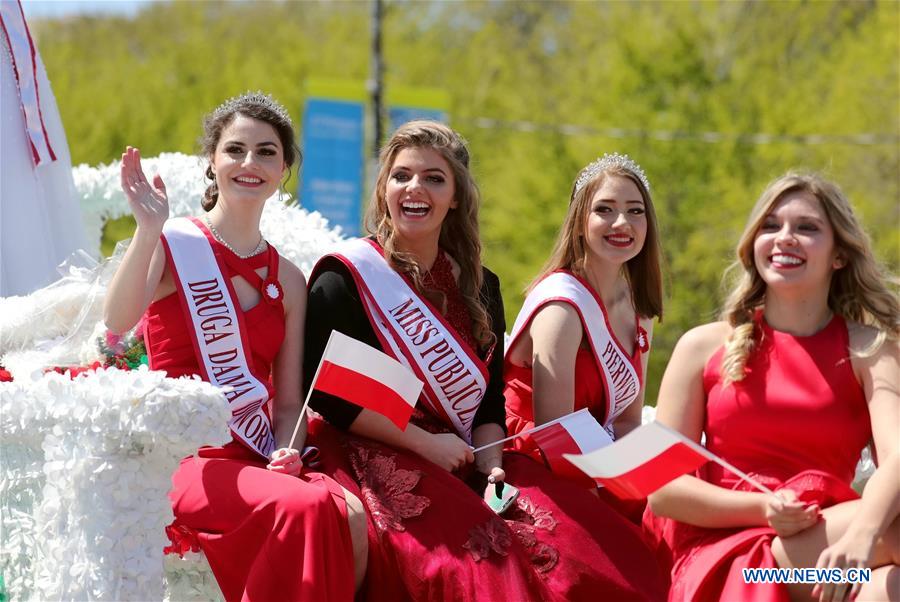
column 257, row 98
column 605, row 162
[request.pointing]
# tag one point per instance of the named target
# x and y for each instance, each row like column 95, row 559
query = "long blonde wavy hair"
column 643, row 271
column 459, row 233
column 858, row 292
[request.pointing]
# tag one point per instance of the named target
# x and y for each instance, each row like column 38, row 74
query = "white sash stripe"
column 417, row 338
column 217, row 332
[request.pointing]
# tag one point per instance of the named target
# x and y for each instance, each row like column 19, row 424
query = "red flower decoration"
column 73, row 371
column 271, row 291
column 5, row 376
column 184, row 539
column 643, row 340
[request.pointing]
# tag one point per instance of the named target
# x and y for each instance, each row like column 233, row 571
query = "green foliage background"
column 539, row 89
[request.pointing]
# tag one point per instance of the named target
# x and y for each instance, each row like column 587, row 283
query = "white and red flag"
column 575, row 433
column 643, row 460
column 365, row 376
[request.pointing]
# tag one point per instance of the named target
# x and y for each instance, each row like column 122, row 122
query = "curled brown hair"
column 459, row 233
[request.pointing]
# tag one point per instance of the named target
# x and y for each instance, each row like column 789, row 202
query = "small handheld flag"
column 646, row 459
column 363, row 375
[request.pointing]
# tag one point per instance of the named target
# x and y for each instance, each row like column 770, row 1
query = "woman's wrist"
column 486, row 466
column 418, row 440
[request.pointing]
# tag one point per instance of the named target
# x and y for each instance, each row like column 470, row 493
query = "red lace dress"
column 266, row 536
column 432, row 537
column 798, row 420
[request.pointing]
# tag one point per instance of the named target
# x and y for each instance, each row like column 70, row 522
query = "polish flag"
column 642, row 461
column 575, row 433
column 365, row 376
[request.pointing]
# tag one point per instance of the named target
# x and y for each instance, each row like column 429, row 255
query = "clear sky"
column 36, row 9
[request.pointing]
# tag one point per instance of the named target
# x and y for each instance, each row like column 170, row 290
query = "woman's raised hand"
column 149, row 202
column 788, row 515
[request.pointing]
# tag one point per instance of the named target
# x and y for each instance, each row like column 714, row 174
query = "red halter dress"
column 266, row 536
column 798, row 420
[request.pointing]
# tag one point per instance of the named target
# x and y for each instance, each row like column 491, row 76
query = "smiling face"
column 419, row 192
column 794, row 246
column 616, row 224
column 248, row 161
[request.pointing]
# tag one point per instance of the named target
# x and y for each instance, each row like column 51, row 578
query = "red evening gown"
column 266, row 536
column 434, row 538
column 798, row 420
column 604, row 533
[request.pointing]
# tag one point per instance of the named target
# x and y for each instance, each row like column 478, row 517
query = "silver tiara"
column 611, row 160
column 256, row 98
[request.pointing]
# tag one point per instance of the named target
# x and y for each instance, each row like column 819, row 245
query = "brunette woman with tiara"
column 416, row 289
column 581, row 341
column 800, row 374
column 219, row 302
column 583, row 335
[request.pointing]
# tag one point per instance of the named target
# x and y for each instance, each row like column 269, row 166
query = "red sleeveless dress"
column 798, row 420
column 266, row 536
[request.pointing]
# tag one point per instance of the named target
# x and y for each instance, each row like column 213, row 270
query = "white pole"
column 531, row 430
column 727, row 465
column 309, row 394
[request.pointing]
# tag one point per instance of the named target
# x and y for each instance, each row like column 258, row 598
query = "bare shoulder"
column 867, row 354
column 292, row 281
column 556, row 318
column 702, row 341
column 862, row 336
column 554, row 322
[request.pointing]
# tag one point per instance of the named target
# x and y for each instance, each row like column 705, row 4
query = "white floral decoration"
column 93, row 458
column 300, row 236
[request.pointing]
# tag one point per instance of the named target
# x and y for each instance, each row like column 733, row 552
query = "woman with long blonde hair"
column 800, row 375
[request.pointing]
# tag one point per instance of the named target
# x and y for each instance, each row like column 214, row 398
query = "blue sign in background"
column 332, row 172
column 400, row 115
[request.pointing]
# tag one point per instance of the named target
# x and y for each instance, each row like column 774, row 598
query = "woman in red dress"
column 582, row 337
column 799, row 376
column 417, row 290
column 218, row 301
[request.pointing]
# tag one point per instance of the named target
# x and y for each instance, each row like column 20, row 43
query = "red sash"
column 621, row 376
column 217, row 330
column 413, row 332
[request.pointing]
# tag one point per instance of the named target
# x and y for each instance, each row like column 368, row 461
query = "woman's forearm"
column 375, row 426
column 880, row 499
column 286, row 415
column 691, row 500
column 127, row 295
column 491, row 457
